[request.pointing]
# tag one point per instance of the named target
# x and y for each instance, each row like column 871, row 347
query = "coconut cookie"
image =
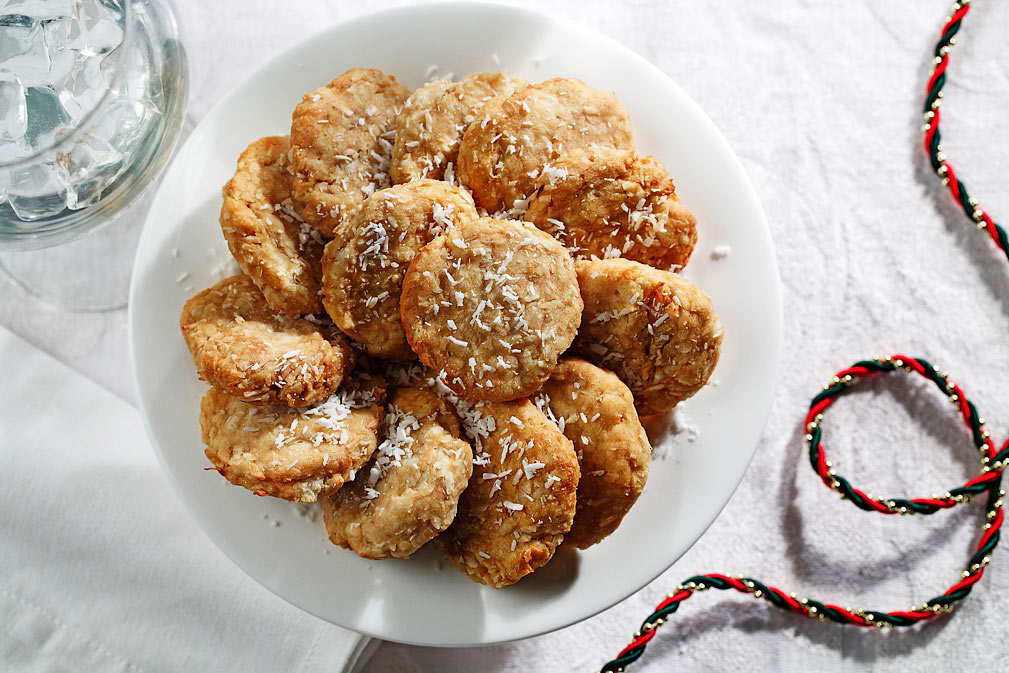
column 613, row 203
column 518, row 138
column 595, row 410
column 265, row 232
column 433, row 120
column 490, row 306
column 294, row 454
column 409, row 490
column 521, row 499
column 241, row 347
column 364, row 264
column 655, row 329
column 341, row 143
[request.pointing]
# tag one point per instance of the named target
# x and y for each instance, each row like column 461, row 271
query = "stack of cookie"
column 455, row 304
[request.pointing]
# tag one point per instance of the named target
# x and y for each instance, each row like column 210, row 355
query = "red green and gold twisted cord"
column 993, row 462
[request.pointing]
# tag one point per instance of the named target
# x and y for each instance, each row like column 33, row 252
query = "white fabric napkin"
column 101, row 568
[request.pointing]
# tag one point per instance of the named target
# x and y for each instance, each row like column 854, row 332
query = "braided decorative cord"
column 933, row 139
column 987, row 483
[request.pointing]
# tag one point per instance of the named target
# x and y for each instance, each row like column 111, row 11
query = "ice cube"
column 46, row 116
column 83, row 88
column 15, row 150
column 16, row 33
column 23, row 50
column 123, row 123
column 140, row 78
column 36, row 52
column 39, row 8
column 55, row 37
column 102, row 26
column 36, row 192
column 13, row 111
column 90, row 165
column 29, row 58
column 110, row 65
column 5, row 181
column 66, row 32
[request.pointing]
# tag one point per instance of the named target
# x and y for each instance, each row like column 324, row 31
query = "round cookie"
column 612, row 203
column 433, row 120
column 409, row 490
column 265, row 232
column 595, row 410
column 518, row 138
column 294, row 454
column 241, row 347
column 655, row 329
column 491, row 306
column 364, row 264
column 521, row 499
column 341, row 143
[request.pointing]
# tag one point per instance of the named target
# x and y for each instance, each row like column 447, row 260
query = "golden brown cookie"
column 364, row 264
column 608, row 203
column 491, row 306
column 655, row 329
column 518, row 138
column 595, row 410
column 433, row 120
column 409, row 490
column 341, row 143
column 521, row 499
column 294, row 454
column 243, row 348
column 265, row 231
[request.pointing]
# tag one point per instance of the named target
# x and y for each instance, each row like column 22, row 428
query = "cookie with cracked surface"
column 491, row 306
column 521, row 500
column 341, row 143
column 433, row 120
column 241, row 347
column 655, row 329
column 409, row 491
column 364, row 264
column 294, row 454
column 265, row 232
column 613, row 203
column 595, row 410
column 517, row 138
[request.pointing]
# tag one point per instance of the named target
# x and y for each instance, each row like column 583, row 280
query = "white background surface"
column 108, row 573
column 820, row 100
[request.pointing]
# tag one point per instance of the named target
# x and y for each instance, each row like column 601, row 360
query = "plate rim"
column 760, row 222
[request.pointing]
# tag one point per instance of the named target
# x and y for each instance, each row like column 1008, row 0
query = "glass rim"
column 129, row 188
column 124, row 48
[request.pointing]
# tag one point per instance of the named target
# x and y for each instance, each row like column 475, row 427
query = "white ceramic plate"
column 423, row 600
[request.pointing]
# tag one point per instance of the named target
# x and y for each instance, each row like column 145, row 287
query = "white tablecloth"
column 821, row 102
column 101, row 568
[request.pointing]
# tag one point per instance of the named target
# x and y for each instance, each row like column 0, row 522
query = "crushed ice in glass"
column 60, row 60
